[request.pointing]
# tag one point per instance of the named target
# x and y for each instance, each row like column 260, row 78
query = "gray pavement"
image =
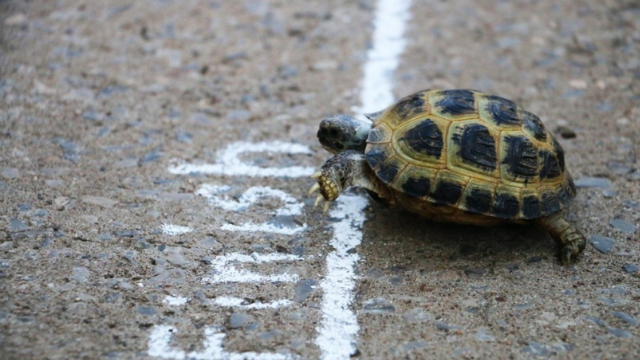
column 154, row 162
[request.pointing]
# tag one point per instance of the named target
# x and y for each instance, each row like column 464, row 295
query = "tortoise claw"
column 316, row 175
column 313, row 189
column 566, row 256
column 326, row 206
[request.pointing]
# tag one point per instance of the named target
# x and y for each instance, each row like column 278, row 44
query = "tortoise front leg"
column 571, row 240
column 348, row 168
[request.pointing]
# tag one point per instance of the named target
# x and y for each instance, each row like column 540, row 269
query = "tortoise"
column 457, row 156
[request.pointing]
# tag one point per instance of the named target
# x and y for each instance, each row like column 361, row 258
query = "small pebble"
column 81, row 274
column 623, row 226
column 16, row 224
column 413, row 345
column 474, row 273
column 183, row 136
column 151, row 156
column 303, row 290
column 609, row 193
column 99, row 201
column 593, row 182
column 484, row 335
column 10, row 173
column 238, row 115
column 626, row 318
column 602, row 243
column 93, row 116
column 416, row 315
column 536, row 349
column 378, row 306
column 620, row 333
column 146, row 310
column 125, row 233
column 631, row 268
column 446, row 326
column 618, row 168
column 604, row 107
column 240, row 320
column 566, row 132
column 635, row 176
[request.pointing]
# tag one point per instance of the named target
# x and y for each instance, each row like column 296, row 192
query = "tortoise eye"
column 333, row 132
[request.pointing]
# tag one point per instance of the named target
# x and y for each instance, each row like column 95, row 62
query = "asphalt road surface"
column 155, row 159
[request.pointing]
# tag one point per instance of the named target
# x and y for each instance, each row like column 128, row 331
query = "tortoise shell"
column 471, row 151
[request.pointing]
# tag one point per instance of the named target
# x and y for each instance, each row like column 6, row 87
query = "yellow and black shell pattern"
column 468, row 150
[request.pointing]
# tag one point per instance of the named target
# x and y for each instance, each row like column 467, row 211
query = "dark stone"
column 303, row 290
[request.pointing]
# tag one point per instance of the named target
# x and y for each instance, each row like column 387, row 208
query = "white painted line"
column 383, row 58
column 228, row 161
column 230, row 301
column 339, row 327
column 175, row 300
column 224, row 271
column 174, row 230
column 160, row 347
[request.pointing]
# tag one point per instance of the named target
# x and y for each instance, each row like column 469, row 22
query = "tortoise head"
column 341, row 133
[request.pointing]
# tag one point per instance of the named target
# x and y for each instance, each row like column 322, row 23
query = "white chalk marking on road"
column 339, row 327
column 228, row 161
column 175, row 300
column 269, row 228
column 224, row 271
column 292, row 207
column 249, row 197
column 230, row 301
column 174, row 230
column 383, row 58
column 160, row 346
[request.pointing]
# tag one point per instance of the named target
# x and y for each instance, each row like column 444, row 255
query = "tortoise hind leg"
column 571, row 240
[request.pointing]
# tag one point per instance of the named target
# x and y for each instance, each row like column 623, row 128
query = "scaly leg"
column 571, row 240
column 348, row 168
